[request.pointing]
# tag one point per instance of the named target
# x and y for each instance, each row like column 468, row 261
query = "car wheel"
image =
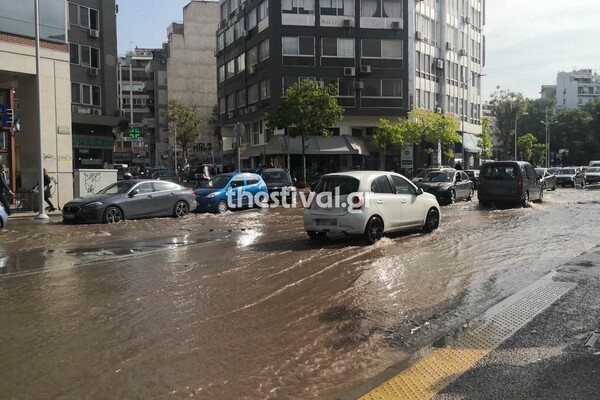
column 541, row 198
column 471, row 193
column 432, row 221
column 554, row 187
column 525, row 202
column 316, row 236
column 452, row 198
column 373, row 230
column 112, row 215
column 181, row 209
column 222, row 207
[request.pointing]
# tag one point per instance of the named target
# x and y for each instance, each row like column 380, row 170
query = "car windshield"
column 438, row 177
column 500, row 172
column 275, row 176
column 218, row 182
column 470, row 174
column 593, row 169
column 567, row 171
column 422, row 173
column 539, row 172
column 346, row 184
column 117, row 188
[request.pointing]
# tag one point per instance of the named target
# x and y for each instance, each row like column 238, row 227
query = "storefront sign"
column 93, row 142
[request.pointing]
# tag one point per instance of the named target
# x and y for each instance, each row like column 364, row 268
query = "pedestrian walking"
column 5, row 191
column 47, row 191
column 458, row 166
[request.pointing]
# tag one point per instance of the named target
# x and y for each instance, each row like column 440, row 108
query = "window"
column 83, row 16
column 229, row 36
column 241, row 98
column 231, row 102
column 263, row 10
column 86, row 94
column 382, row 48
column 381, row 8
column 87, row 57
column 253, row 94
column 391, row 88
column 73, row 16
column 252, row 180
column 221, row 73
column 265, row 89
column 337, row 7
column 252, row 56
column 263, row 50
column 346, row 87
column 298, row 45
column 381, row 184
column 297, row 6
column 221, row 41
column 74, row 53
column 338, row 47
column 239, row 28
column 371, row 88
column 222, row 109
column 256, row 131
column 75, row 93
column 241, row 62
column 230, row 70
column 402, row 186
column 251, row 19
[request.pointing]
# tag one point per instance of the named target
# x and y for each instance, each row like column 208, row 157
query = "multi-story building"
column 133, row 100
column 385, row 56
column 577, row 88
column 93, row 58
column 191, row 79
column 46, row 117
column 156, row 87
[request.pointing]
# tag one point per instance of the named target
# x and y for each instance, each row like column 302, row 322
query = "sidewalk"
column 25, row 215
column 552, row 354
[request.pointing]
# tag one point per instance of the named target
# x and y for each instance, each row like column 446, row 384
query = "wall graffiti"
column 90, row 179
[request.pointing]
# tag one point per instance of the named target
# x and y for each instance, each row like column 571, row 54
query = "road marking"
column 429, row 375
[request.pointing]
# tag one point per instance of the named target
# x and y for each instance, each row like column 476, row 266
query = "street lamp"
column 462, row 129
column 517, row 119
column 547, row 124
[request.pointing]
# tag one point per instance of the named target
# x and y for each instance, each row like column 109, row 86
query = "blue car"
column 3, row 217
column 231, row 190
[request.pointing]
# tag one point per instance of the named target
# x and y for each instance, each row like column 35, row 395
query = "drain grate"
column 429, row 375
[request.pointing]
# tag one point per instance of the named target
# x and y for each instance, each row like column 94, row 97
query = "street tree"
column 506, row 107
column 183, row 123
column 425, row 126
column 526, row 144
column 306, row 109
column 388, row 137
column 485, row 139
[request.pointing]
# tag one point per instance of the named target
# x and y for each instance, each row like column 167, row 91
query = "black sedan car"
column 131, row 199
column 570, row 176
column 278, row 181
column 448, row 186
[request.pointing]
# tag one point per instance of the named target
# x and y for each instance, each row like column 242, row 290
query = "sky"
column 527, row 41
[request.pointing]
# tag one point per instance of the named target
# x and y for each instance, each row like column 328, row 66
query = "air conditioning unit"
column 467, row 20
column 252, row 69
column 92, row 71
column 359, row 85
column 449, row 46
column 97, row 111
column 94, row 33
column 395, row 25
column 418, row 35
column 347, row 23
column 252, row 108
column 349, row 71
column 438, row 110
column 439, row 63
column 463, row 53
column 365, row 69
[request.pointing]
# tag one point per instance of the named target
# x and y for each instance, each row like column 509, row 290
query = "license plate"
column 68, row 216
column 325, row 222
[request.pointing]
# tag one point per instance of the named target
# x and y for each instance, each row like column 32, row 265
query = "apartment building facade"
column 46, row 117
column 576, row 88
column 93, row 59
column 385, row 56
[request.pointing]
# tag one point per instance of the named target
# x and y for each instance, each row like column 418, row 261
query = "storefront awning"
column 470, row 143
column 254, row 151
column 315, row 145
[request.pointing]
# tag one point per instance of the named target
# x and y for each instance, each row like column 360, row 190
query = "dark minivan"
column 509, row 182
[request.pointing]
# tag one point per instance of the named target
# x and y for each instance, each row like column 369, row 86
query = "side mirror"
column 134, row 192
column 419, row 191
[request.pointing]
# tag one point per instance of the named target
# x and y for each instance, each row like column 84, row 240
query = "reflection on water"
column 243, row 305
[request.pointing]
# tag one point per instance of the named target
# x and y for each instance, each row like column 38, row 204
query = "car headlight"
column 94, row 204
column 212, row 195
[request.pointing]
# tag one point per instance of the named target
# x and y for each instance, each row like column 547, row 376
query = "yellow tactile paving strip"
column 429, row 375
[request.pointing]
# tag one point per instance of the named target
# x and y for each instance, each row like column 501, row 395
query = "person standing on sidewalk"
column 4, row 190
column 47, row 191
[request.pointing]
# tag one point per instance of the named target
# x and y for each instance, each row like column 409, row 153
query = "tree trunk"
column 303, row 161
column 382, row 161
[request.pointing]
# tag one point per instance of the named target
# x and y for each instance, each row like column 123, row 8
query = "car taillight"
column 520, row 181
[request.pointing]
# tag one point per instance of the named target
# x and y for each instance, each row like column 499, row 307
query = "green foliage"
column 539, row 154
column 309, row 110
column 387, row 137
column 183, row 123
column 506, row 107
column 485, row 139
column 526, row 144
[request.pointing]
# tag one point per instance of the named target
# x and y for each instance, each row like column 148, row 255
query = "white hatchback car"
column 369, row 203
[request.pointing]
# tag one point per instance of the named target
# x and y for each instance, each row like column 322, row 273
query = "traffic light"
column 7, row 116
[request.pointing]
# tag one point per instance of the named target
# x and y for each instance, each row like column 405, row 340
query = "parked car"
column 278, row 180
column 547, row 180
column 570, row 176
column 165, row 175
column 592, row 175
column 147, row 172
column 425, row 171
column 201, row 173
column 227, row 191
column 513, row 182
column 130, row 199
column 371, row 203
column 553, row 170
column 316, row 178
column 473, row 175
column 594, row 163
column 448, row 186
column 3, row 217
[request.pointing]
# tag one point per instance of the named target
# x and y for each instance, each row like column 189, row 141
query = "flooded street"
column 243, row 305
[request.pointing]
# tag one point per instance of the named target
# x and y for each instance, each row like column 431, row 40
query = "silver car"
column 369, row 203
column 132, row 199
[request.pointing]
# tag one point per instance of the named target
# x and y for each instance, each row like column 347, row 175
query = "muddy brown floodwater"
column 243, row 305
